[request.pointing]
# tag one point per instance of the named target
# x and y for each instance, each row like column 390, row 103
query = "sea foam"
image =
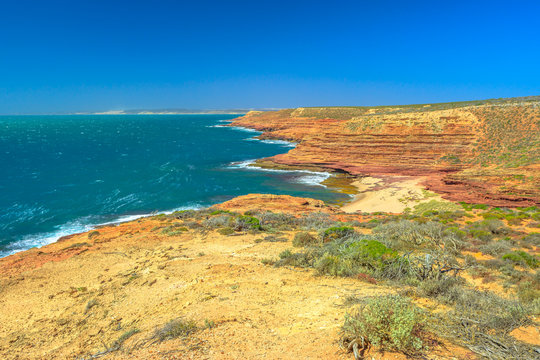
column 76, row 227
column 313, row 178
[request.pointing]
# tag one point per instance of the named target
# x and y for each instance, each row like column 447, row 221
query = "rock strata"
column 479, row 153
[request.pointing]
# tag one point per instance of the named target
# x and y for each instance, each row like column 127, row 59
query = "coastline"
column 74, row 227
column 448, row 146
column 242, row 273
column 37, row 241
column 369, row 194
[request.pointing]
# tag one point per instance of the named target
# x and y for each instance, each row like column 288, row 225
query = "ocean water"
column 65, row 174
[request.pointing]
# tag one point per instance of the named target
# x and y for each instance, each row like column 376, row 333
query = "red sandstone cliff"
column 481, row 152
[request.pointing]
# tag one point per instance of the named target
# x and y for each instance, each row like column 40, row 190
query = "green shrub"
column 267, row 261
column 390, row 322
column 316, row 221
column 494, row 263
column 354, row 257
column 246, row 222
column 160, row 217
column 183, row 214
column 440, row 288
column 336, row 232
column 288, row 258
column 411, row 235
column 126, row 335
column 370, row 224
column 489, row 225
column 226, row 231
column 271, row 238
column 482, row 321
column 531, row 239
column 481, row 235
column 174, row 230
column 522, row 258
column 93, row 234
column 218, row 212
column 174, row 329
column 436, row 206
column 192, row 224
column 277, row 221
column 528, row 291
column 455, row 232
column 487, row 311
column 469, row 207
column 303, row 238
column 496, row 247
column 217, row 222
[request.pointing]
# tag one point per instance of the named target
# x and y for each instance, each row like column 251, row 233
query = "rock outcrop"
column 276, row 203
column 479, row 152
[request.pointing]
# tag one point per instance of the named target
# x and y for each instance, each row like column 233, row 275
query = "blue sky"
column 93, row 55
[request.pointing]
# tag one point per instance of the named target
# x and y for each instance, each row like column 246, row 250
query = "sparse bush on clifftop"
column 316, row 221
column 246, row 222
column 303, row 238
column 93, row 234
column 174, row 329
column 336, row 232
column 522, row 258
column 389, row 322
column 215, row 222
column 407, row 235
column 270, row 221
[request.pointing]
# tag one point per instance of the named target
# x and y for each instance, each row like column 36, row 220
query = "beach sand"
column 391, row 194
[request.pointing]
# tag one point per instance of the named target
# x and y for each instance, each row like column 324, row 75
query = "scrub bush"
column 304, row 238
column 390, row 322
column 174, row 329
column 336, row 232
column 522, row 258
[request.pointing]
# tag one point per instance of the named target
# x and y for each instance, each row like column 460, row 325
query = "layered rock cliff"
column 481, row 152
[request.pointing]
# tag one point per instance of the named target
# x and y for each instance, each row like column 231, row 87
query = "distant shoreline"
column 153, row 112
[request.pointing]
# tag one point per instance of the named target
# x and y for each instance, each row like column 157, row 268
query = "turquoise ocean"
column 63, row 174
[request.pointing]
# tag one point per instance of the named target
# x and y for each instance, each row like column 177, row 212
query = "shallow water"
column 66, row 174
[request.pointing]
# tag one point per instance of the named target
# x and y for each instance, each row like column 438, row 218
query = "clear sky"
column 94, row 55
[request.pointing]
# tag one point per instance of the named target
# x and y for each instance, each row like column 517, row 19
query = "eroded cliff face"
column 486, row 152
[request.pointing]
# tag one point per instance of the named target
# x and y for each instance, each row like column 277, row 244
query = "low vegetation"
column 388, row 322
column 174, row 329
column 439, row 252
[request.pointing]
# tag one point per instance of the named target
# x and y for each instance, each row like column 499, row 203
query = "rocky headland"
column 477, row 152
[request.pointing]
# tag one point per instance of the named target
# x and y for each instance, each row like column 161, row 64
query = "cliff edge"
column 478, row 152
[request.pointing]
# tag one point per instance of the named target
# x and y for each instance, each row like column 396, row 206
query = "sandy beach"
column 392, row 194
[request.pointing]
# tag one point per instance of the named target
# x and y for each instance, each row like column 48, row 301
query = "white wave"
column 313, row 178
column 279, row 142
column 39, row 240
column 241, row 128
column 273, row 142
column 76, row 227
column 246, row 164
